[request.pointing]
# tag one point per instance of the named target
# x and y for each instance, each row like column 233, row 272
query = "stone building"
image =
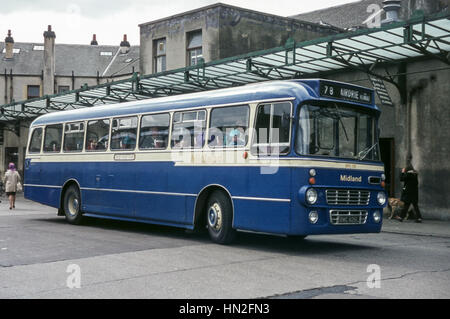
column 30, row 70
column 216, row 32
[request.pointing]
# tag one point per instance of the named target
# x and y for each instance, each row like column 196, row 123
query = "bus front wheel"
column 72, row 205
column 219, row 218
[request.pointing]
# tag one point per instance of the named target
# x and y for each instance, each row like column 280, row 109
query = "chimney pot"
column 94, row 40
column 49, row 33
column 9, row 46
column 125, row 42
column 9, row 39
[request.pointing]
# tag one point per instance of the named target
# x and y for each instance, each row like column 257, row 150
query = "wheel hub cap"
column 215, row 216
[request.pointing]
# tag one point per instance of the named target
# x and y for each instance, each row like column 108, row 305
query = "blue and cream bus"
column 295, row 158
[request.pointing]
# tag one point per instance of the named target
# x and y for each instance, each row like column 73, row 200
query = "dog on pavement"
column 394, row 206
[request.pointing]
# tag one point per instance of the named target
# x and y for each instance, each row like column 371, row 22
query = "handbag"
column 19, row 187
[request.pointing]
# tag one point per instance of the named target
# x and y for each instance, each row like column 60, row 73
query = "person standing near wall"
column 410, row 192
column 11, row 180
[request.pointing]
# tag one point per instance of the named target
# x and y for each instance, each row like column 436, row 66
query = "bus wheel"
column 219, row 218
column 72, row 205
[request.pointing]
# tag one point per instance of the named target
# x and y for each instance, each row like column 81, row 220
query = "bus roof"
column 301, row 90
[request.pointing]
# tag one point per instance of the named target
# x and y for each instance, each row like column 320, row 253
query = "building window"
column 194, row 47
column 33, row 91
column 159, row 55
column 63, row 88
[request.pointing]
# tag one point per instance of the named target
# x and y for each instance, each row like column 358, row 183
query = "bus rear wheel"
column 219, row 218
column 72, row 205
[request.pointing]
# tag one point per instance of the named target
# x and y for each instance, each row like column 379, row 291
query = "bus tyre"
column 219, row 218
column 72, row 205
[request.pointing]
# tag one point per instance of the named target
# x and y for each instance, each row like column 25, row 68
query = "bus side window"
column 154, row 132
column 97, row 135
column 124, row 131
column 273, row 125
column 229, row 126
column 36, row 139
column 52, row 139
column 188, row 129
column 73, row 137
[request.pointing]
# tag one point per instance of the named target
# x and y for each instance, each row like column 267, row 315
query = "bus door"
column 32, row 167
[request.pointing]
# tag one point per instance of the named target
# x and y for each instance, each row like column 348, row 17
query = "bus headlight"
column 313, row 217
column 376, row 216
column 381, row 198
column 311, row 196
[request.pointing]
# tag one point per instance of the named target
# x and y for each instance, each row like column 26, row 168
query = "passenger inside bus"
column 179, row 143
column 236, row 137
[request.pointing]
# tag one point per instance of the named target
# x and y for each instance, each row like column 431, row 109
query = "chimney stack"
column 124, row 45
column 9, row 46
column 392, row 9
column 94, row 40
column 49, row 61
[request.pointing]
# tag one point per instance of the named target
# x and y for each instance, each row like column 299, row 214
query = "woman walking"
column 10, row 180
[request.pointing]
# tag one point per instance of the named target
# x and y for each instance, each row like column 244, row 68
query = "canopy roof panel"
column 420, row 36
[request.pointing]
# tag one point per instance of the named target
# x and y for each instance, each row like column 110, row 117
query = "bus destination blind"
column 344, row 92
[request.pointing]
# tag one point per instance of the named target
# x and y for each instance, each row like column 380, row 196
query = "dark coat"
column 410, row 192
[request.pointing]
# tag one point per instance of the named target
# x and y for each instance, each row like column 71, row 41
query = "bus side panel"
column 261, row 216
column 110, row 188
column 32, row 175
column 267, row 208
column 50, row 191
column 158, row 201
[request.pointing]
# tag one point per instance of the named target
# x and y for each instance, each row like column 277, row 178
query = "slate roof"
column 84, row 60
column 342, row 16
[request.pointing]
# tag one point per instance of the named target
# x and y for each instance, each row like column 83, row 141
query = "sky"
column 75, row 21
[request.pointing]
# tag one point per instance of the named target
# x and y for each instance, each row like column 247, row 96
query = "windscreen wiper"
column 362, row 155
column 340, row 120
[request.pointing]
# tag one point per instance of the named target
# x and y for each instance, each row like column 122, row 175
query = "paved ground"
column 41, row 256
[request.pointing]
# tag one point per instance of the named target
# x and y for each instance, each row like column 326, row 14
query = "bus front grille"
column 348, row 217
column 347, row 197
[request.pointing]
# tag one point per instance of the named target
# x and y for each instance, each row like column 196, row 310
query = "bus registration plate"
column 348, row 220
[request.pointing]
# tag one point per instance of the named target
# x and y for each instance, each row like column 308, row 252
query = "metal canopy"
column 361, row 50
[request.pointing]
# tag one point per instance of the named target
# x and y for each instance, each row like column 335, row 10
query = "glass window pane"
column 273, row 122
column 124, row 132
column 229, row 126
column 74, row 137
column 263, row 124
column 194, row 39
column 347, row 136
column 188, row 130
column 154, row 132
column 33, row 91
column 53, row 136
column 336, row 130
column 97, row 135
column 281, row 120
column 160, row 46
column 36, row 139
